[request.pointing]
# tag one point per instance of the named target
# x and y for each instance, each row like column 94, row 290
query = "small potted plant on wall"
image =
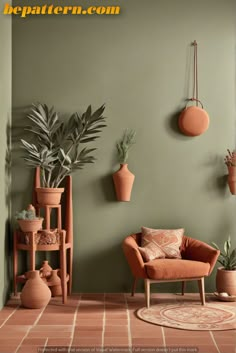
column 230, row 161
column 123, row 178
column 56, row 146
column 28, row 221
column 226, row 275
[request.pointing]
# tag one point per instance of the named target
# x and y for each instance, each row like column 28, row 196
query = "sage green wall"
column 138, row 63
column 5, row 118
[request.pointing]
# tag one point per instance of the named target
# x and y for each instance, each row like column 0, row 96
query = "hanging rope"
column 195, row 74
column 194, row 120
column 195, row 77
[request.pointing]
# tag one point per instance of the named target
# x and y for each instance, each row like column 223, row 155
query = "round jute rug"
column 191, row 316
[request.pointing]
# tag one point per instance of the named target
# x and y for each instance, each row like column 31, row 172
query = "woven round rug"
column 191, row 316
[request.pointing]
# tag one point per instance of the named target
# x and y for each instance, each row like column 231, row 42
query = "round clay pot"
column 193, row 121
column 49, row 196
column 46, row 270
column 226, row 281
column 35, row 293
column 123, row 181
column 55, row 284
column 30, row 225
column 232, row 179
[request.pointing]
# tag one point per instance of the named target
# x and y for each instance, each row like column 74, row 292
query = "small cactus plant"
column 26, row 214
column 28, row 221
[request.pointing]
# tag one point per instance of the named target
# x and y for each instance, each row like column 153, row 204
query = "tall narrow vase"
column 55, row 282
column 35, row 293
column 123, row 181
column 232, row 179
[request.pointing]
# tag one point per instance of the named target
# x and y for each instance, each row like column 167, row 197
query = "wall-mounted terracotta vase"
column 226, row 281
column 123, row 181
column 232, row 179
column 35, row 293
column 193, row 121
column 49, row 196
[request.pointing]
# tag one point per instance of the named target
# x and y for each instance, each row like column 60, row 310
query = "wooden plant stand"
column 30, row 241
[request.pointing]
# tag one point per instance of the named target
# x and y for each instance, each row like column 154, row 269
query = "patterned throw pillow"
column 161, row 243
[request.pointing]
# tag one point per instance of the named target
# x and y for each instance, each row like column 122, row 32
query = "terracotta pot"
column 123, row 181
column 193, row 121
column 55, row 284
column 226, row 281
column 45, row 270
column 232, row 179
column 30, row 225
column 49, row 196
column 35, row 293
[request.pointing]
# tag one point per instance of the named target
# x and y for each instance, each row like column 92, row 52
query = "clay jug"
column 123, row 181
column 232, row 179
column 35, row 293
column 45, row 270
column 55, row 284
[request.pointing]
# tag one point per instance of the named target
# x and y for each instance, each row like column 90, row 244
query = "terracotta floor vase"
column 226, row 281
column 55, row 284
column 35, row 293
column 123, row 181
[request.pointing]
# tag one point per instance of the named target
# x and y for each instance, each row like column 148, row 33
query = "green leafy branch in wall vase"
column 123, row 179
column 56, row 148
column 123, row 146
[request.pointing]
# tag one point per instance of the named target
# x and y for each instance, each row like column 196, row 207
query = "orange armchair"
column 198, row 261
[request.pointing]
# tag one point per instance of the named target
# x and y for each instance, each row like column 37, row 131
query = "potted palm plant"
column 230, row 161
column 123, row 178
column 56, row 146
column 226, row 275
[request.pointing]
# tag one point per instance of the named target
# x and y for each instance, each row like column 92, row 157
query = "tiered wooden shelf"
column 63, row 243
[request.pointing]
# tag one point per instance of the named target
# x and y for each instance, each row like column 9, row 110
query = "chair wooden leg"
column 201, row 290
column 147, row 292
column 183, row 287
column 134, row 286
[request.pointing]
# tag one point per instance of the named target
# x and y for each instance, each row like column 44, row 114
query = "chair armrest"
column 133, row 256
column 193, row 249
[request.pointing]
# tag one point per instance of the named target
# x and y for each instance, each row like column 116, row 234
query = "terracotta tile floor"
column 90, row 322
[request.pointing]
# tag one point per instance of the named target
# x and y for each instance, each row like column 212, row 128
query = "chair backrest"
column 133, row 256
column 191, row 249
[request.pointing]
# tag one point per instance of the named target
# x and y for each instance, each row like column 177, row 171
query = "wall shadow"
column 172, row 126
column 108, row 188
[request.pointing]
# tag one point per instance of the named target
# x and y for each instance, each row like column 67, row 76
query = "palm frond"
column 56, row 147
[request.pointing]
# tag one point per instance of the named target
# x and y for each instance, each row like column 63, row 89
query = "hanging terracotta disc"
column 193, row 121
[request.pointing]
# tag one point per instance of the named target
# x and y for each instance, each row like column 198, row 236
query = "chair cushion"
column 161, row 243
column 170, row 269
